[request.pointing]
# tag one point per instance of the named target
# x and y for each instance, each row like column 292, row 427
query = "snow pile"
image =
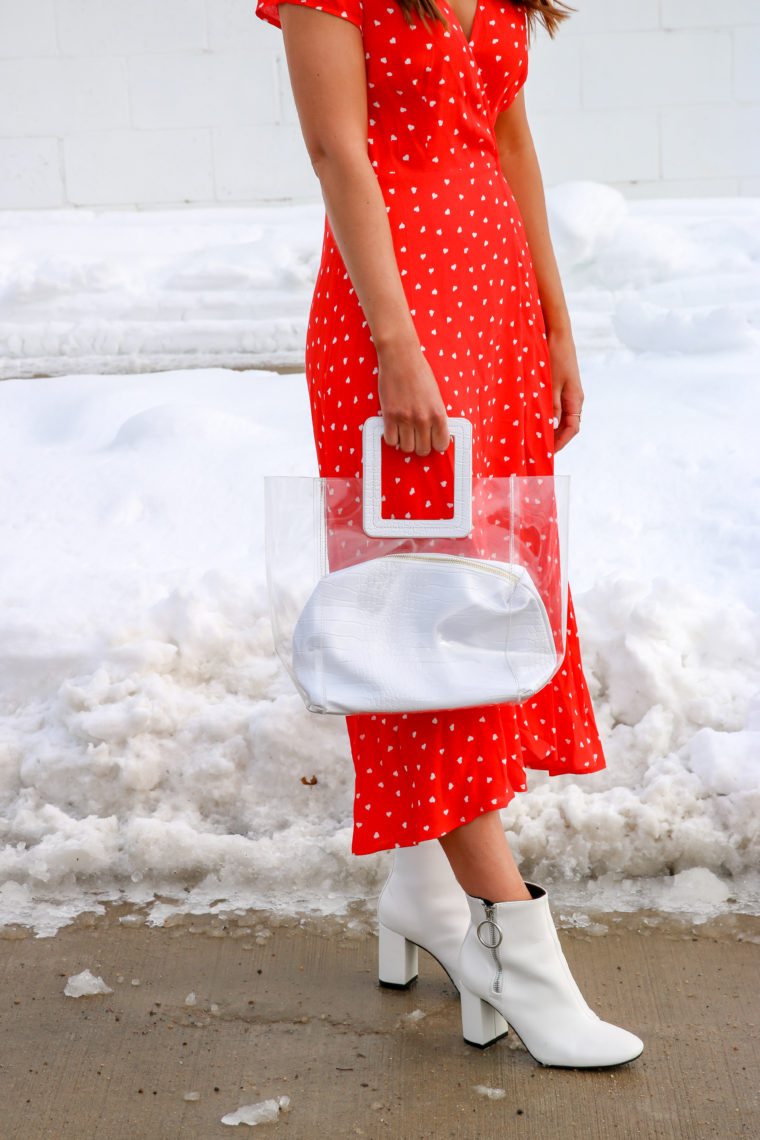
column 584, row 217
column 701, row 328
column 115, row 291
column 151, row 744
column 658, row 276
column 676, row 692
column 697, row 883
column 122, row 291
column 151, row 747
column 265, row 1112
column 85, row 985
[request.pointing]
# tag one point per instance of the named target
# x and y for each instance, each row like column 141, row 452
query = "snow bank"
column 124, row 291
column 151, row 748
column 151, row 745
column 120, row 291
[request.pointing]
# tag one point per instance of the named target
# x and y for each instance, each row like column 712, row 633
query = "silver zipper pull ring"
column 494, row 936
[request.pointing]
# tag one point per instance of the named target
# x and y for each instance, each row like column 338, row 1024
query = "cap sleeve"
column 347, row 9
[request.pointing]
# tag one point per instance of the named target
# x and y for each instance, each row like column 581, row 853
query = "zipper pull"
column 493, row 935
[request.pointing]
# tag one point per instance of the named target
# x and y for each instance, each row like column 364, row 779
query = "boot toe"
column 610, row 1046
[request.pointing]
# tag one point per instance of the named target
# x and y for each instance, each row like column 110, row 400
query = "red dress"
column 433, row 97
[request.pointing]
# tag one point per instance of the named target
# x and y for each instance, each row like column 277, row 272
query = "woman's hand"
column 414, row 414
column 567, row 390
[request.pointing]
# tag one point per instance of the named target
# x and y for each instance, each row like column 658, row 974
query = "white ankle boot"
column 421, row 904
column 512, row 971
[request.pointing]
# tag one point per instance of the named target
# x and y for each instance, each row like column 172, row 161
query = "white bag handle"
column 377, row 527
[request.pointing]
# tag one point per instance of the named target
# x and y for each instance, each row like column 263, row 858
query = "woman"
column 438, row 296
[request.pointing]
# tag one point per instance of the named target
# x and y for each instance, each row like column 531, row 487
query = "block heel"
column 397, row 959
column 482, row 1025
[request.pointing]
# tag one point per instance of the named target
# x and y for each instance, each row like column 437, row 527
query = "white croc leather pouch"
column 415, row 630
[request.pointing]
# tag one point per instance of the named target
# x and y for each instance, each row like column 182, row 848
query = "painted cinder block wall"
column 140, row 103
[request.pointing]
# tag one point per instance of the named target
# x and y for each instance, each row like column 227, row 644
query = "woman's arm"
column 517, row 157
column 326, row 62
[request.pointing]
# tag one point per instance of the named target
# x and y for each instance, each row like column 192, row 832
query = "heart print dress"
column 433, row 97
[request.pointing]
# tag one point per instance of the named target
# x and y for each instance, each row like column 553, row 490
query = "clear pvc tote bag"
column 384, row 614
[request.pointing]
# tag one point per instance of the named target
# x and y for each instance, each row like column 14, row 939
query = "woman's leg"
column 482, row 861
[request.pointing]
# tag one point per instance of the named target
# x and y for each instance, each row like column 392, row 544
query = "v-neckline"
column 459, row 22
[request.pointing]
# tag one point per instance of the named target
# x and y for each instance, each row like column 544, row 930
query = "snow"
column 265, row 1112
column 411, row 1020
column 85, row 984
column 699, row 882
column 152, row 749
column 491, row 1094
column 111, row 292
column 125, row 291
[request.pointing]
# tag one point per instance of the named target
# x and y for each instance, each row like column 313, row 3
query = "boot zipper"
column 493, row 943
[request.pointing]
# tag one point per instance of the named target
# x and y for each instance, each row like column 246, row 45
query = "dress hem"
column 504, row 800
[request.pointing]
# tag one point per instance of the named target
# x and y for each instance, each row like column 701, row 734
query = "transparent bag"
column 399, row 614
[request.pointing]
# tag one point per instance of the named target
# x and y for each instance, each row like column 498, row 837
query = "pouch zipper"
column 476, row 563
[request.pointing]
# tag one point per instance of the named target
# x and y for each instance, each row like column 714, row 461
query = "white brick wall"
column 654, row 96
column 123, row 167
column 152, row 102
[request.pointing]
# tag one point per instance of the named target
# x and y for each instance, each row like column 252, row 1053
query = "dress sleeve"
column 518, row 71
column 350, row 10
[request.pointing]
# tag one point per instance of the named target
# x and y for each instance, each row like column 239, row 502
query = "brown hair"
column 550, row 13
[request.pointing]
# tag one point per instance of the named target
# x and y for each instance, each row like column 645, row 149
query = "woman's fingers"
column 390, row 431
column 418, row 437
column 569, row 423
column 567, row 390
column 414, row 414
column 407, row 437
column 557, row 407
column 567, row 430
column 439, row 436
